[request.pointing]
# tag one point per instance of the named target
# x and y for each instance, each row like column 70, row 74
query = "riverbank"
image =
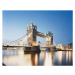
column 64, row 50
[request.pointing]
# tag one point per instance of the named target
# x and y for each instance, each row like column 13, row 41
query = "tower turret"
column 27, row 27
column 31, row 24
column 32, row 39
column 49, row 33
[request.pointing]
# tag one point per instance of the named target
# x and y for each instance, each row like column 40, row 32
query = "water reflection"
column 48, row 59
column 34, row 59
column 67, row 57
column 21, row 58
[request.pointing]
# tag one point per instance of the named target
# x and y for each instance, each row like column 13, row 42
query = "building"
column 69, row 46
column 59, row 46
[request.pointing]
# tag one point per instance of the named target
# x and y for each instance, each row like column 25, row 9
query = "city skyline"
column 60, row 23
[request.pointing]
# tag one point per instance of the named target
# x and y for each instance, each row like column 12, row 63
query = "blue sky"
column 58, row 22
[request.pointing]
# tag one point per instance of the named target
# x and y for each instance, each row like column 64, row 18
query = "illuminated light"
column 36, row 59
column 48, row 60
column 51, row 45
column 72, row 56
column 34, row 43
column 20, row 52
column 59, row 57
column 59, row 46
column 17, row 60
column 69, row 56
column 66, row 56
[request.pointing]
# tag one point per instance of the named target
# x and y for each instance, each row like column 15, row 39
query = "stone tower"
column 31, row 35
column 49, row 40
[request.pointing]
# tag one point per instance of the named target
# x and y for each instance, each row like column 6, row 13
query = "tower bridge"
column 31, row 37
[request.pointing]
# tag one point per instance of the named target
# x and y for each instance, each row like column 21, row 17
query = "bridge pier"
column 49, row 42
column 32, row 49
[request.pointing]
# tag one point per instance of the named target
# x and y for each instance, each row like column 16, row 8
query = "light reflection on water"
column 20, row 58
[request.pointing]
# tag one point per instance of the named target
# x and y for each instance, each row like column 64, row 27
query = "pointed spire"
column 27, row 27
column 31, row 23
column 49, row 32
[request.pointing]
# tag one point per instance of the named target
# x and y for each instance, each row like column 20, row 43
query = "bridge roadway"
column 30, row 48
column 24, row 46
column 16, row 46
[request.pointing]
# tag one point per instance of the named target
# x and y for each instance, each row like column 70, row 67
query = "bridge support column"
column 49, row 42
column 31, row 40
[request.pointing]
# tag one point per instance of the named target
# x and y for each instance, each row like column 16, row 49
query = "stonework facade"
column 31, row 40
column 49, row 40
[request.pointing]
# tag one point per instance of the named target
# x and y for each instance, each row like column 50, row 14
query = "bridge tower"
column 31, row 40
column 49, row 40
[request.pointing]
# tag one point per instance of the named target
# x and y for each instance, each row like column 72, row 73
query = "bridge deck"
column 25, row 46
column 16, row 46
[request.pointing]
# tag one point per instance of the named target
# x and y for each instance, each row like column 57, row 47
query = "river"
column 44, row 58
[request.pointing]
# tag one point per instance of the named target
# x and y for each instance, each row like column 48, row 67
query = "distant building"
column 64, row 47
column 59, row 46
column 69, row 46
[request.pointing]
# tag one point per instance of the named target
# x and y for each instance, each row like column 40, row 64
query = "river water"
column 44, row 58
